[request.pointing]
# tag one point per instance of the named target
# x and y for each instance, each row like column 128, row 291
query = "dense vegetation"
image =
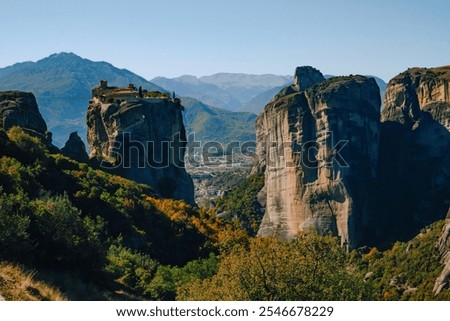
column 408, row 270
column 58, row 214
column 92, row 235
column 241, row 205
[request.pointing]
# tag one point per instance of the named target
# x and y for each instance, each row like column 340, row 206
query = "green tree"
column 29, row 148
column 168, row 280
column 64, row 237
column 14, row 223
column 130, row 268
column 242, row 205
column 310, row 267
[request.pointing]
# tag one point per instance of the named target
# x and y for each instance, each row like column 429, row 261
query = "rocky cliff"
column 330, row 164
column 317, row 143
column 75, row 148
column 414, row 167
column 144, row 140
column 20, row 109
column 443, row 245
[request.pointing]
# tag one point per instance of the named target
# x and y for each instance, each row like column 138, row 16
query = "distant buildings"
column 108, row 94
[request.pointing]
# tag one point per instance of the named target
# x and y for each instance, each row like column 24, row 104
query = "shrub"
column 130, row 268
column 31, row 148
column 168, row 280
column 242, row 203
column 65, row 238
column 14, row 223
column 310, row 267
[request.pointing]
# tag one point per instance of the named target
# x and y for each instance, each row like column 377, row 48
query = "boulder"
column 75, row 148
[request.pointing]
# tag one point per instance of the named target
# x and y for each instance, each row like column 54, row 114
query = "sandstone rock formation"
column 20, row 109
column 317, row 142
column 306, row 77
column 414, row 166
column 75, row 148
column 144, row 139
column 398, row 176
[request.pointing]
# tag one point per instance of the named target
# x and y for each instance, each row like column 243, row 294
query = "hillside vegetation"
column 58, row 214
column 18, row 285
column 79, row 233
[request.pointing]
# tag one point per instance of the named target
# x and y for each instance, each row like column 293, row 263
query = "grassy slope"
column 18, row 285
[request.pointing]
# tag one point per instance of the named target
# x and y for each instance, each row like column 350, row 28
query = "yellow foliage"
column 221, row 235
column 174, row 209
column 372, row 255
column 310, row 267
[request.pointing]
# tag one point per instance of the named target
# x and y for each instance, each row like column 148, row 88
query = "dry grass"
column 18, row 285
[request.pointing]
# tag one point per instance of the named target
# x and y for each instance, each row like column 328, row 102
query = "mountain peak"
column 64, row 54
column 62, row 84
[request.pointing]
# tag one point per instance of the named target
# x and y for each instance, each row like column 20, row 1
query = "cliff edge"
column 143, row 140
column 19, row 108
column 414, row 167
column 317, row 143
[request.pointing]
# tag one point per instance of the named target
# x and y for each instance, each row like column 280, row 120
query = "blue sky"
column 171, row 38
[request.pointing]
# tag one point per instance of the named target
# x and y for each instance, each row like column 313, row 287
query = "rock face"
column 306, row 77
column 75, row 148
column 317, row 143
column 414, row 167
column 443, row 245
column 398, row 176
column 20, row 109
column 145, row 140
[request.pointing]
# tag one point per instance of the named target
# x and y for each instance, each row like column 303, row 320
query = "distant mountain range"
column 232, row 91
column 62, row 84
column 216, row 124
column 257, row 103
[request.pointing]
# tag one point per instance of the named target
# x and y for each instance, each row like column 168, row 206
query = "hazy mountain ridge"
column 228, row 126
column 191, row 86
column 62, row 84
column 257, row 103
column 231, row 91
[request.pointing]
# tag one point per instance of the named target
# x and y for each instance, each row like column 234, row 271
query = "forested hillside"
column 78, row 233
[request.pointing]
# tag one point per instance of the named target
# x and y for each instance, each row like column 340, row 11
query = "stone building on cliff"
column 109, row 94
